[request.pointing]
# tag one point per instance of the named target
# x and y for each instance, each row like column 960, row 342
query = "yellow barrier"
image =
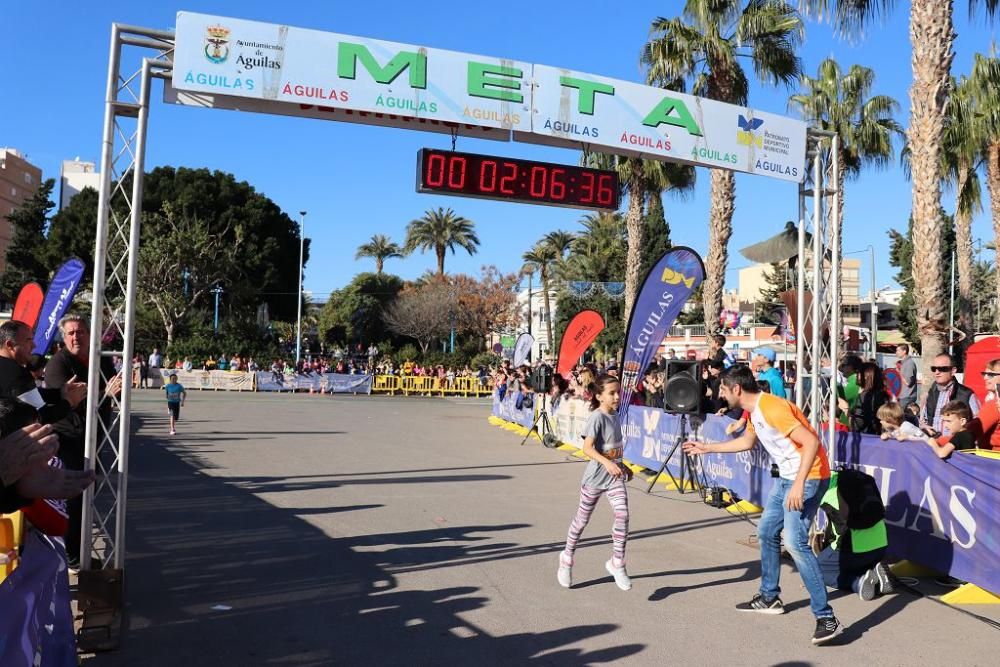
column 8, row 547
column 429, row 386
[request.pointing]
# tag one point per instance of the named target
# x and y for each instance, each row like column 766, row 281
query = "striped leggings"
column 618, row 497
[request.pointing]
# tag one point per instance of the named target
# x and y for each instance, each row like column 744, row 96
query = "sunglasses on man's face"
column 940, row 369
column 990, row 374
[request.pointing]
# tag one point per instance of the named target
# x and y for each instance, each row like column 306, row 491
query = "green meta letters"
column 349, row 54
column 485, row 79
column 672, row 112
column 588, row 91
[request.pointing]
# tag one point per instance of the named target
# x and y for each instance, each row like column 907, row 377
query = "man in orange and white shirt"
column 803, row 477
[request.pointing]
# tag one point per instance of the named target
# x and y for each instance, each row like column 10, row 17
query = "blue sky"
column 356, row 180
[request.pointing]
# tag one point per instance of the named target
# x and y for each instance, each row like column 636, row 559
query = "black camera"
column 774, row 470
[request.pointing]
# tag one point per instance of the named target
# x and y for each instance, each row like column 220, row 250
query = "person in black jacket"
column 65, row 367
column 25, row 451
column 864, row 414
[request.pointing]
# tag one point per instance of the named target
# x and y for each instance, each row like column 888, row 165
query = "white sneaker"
column 564, row 574
column 620, row 575
column 173, row 433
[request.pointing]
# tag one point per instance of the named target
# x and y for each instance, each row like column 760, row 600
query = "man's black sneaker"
column 868, row 585
column 949, row 582
column 826, row 629
column 885, row 585
column 762, row 606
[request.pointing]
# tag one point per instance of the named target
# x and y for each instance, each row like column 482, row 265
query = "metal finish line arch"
column 140, row 55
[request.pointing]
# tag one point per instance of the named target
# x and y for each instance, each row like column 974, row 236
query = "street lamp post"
column 217, row 290
column 874, row 313
column 298, row 319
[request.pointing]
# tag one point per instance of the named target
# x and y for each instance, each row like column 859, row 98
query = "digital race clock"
column 510, row 179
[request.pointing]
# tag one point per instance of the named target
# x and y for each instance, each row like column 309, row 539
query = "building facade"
column 74, row 176
column 19, row 180
column 752, row 283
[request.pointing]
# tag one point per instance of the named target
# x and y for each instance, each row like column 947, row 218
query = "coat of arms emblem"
column 217, row 43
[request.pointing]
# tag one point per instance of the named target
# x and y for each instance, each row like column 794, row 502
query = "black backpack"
column 862, row 498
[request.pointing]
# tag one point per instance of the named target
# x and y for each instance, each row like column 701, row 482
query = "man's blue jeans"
column 796, row 526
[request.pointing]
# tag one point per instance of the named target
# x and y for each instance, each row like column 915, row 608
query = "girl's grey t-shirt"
column 608, row 440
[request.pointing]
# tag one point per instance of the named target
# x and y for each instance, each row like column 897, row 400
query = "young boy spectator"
column 895, row 426
column 954, row 416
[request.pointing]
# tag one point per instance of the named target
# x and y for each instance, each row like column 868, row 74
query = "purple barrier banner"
column 508, row 409
column 36, row 622
column 944, row 514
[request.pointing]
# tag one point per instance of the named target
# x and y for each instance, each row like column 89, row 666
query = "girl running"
column 603, row 443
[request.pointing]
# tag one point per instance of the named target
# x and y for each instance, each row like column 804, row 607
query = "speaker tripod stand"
column 688, row 470
column 542, row 419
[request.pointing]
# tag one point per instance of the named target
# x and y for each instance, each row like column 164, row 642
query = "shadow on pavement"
column 217, row 576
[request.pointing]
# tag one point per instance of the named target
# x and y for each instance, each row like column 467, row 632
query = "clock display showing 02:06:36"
column 492, row 177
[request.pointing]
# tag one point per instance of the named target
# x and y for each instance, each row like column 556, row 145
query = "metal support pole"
column 217, row 290
column 834, row 315
column 298, row 321
column 97, row 307
column 128, row 343
column 874, row 313
column 800, row 322
column 818, row 257
column 951, row 316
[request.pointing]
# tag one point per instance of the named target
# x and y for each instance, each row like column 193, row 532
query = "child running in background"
column 894, row 424
column 604, row 444
column 176, row 395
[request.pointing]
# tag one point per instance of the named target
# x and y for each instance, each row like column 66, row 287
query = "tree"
column 705, row 46
column 181, row 263
column 440, row 231
column 901, row 253
column 24, row 254
column 932, row 35
column 380, row 248
column 269, row 236
column 842, row 103
column 561, row 243
column 422, row 313
column 657, row 234
column 597, row 252
column 486, row 304
column 71, row 233
column 641, row 179
column 985, row 91
column 540, row 260
column 778, row 278
column 356, row 312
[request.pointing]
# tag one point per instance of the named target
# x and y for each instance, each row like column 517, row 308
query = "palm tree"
column 561, row 243
column 962, row 157
column 932, row 35
column 842, row 103
column 440, row 231
column 705, row 46
column 985, row 90
column 380, row 248
column 597, row 249
column 640, row 179
column 540, row 259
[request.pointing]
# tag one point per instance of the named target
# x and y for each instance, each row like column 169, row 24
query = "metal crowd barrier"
column 428, row 386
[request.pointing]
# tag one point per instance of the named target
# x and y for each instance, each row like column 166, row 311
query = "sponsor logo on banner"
column 745, row 135
column 217, row 44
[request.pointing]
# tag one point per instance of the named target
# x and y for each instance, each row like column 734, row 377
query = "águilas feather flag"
column 522, row 348
column 57, row 300
column 581, row 331
column 28, row 304
column 661, row 297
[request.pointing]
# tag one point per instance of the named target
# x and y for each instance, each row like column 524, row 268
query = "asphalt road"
column 309, row 530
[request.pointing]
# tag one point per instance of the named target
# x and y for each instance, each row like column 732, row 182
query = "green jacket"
column 856, row 532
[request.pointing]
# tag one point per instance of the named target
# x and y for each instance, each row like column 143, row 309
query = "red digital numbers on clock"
column 491, row 177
